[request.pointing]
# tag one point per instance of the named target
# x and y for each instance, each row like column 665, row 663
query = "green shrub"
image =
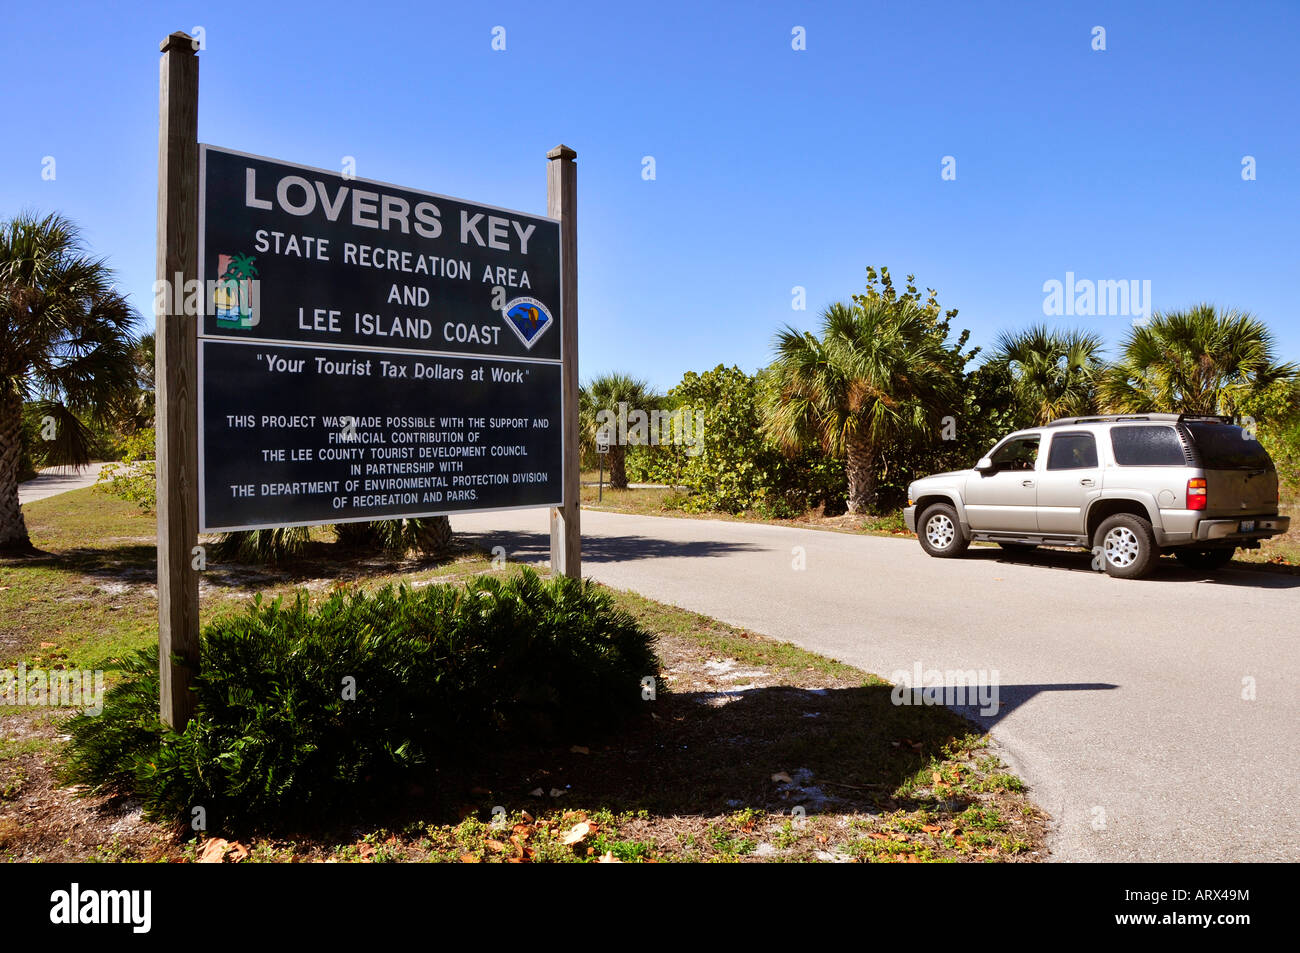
column 1275, row 412
column 429, row 535
column 135, row 478
column 438, row 672
column 736, row 468
column 260, row 547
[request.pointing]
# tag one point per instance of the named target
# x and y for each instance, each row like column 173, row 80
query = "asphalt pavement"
column 1155, row 720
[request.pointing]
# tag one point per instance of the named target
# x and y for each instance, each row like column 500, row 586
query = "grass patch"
column 758, row 752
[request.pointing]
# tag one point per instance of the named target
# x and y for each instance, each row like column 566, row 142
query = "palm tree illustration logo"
column 232, row 296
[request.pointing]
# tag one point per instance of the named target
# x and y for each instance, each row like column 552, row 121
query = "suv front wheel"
column 940, row 532
column 1126, row 546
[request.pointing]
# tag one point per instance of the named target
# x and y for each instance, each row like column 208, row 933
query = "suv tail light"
column 1196, row 494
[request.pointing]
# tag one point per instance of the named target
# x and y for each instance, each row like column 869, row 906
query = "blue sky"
column 774, row 168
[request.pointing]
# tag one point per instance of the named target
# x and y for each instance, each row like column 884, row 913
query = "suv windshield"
column 1227, row 447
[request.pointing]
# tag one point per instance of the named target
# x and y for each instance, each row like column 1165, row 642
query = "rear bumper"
column 1265, row 526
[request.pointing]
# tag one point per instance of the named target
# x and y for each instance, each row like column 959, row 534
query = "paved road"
column 1121, row 701
column 57, row 480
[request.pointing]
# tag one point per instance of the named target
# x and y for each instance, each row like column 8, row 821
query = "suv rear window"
column 1227, row 447
column 1147, row 446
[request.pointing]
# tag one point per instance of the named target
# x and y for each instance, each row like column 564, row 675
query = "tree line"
column 885, row 390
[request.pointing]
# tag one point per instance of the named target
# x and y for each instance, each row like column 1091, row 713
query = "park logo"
column 528, row 318
column 234, row 297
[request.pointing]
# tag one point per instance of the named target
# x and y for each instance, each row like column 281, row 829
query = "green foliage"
column 427, row 535
column 135, row 478
column 1275, row 410
column 986, row 411
column 1199, row 361
column 260, row 547
column 65, row 331
column 737, row 468
column 600, row 404
column 880, row 372
column 438, row 673
column 1053, row 373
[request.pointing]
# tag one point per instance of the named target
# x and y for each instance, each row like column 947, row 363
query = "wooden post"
column 562, row 203
column 176, row 378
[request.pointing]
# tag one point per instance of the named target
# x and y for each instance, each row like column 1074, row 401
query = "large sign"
column 369, row 351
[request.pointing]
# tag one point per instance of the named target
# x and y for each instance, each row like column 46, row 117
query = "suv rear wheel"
column 1204, row 559
column 940, row 532
column 1128, row 546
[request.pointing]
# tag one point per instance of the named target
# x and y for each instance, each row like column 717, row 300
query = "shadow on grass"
column 844, row 750
column 137, row 564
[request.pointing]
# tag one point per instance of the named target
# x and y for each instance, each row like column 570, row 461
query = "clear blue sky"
column 775, row 168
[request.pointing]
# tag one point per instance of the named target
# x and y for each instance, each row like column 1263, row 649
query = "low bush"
column 305, row 709
column 134, row 478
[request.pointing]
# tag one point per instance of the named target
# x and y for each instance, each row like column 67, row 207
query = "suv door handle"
column 1086, row 482
column 1026, row 482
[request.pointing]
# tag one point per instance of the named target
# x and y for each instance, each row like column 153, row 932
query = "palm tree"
column 1053, row 373
column 65, row 344
column 1199, row 361
column 598, row 407
column 880, row 371
column 135, row 412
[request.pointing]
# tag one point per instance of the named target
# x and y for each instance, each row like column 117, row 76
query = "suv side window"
column 1018, row 454
column 1147, row 446
column 1072, row 451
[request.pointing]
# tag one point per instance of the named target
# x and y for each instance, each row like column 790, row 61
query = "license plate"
column 1247, row 526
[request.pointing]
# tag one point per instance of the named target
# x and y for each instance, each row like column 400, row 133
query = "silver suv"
column 1125, row 487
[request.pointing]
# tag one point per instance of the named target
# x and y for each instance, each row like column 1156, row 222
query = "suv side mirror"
column 985, row 465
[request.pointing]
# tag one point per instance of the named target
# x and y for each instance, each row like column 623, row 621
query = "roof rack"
column 1118, row 418
column 1108, row 419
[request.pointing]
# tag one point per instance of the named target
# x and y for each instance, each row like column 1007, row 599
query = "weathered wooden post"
column 562, row 203
column 176, row 377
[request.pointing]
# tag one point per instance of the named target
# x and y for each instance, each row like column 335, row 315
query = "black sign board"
column 369, row 351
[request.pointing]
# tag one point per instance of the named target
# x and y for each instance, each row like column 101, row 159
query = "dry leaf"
column 578, row 833
column 495, row 845
column 470, row 859
column 580, row 749
column 932, row 828
column 608, row 858
column 213, row 850
column 537, row 792
column 782, row 778
column 237, row 852
column 556, row 792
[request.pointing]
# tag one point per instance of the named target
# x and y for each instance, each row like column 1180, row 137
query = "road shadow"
column 989, row 703
column 536, row 547
column 1167, row 568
